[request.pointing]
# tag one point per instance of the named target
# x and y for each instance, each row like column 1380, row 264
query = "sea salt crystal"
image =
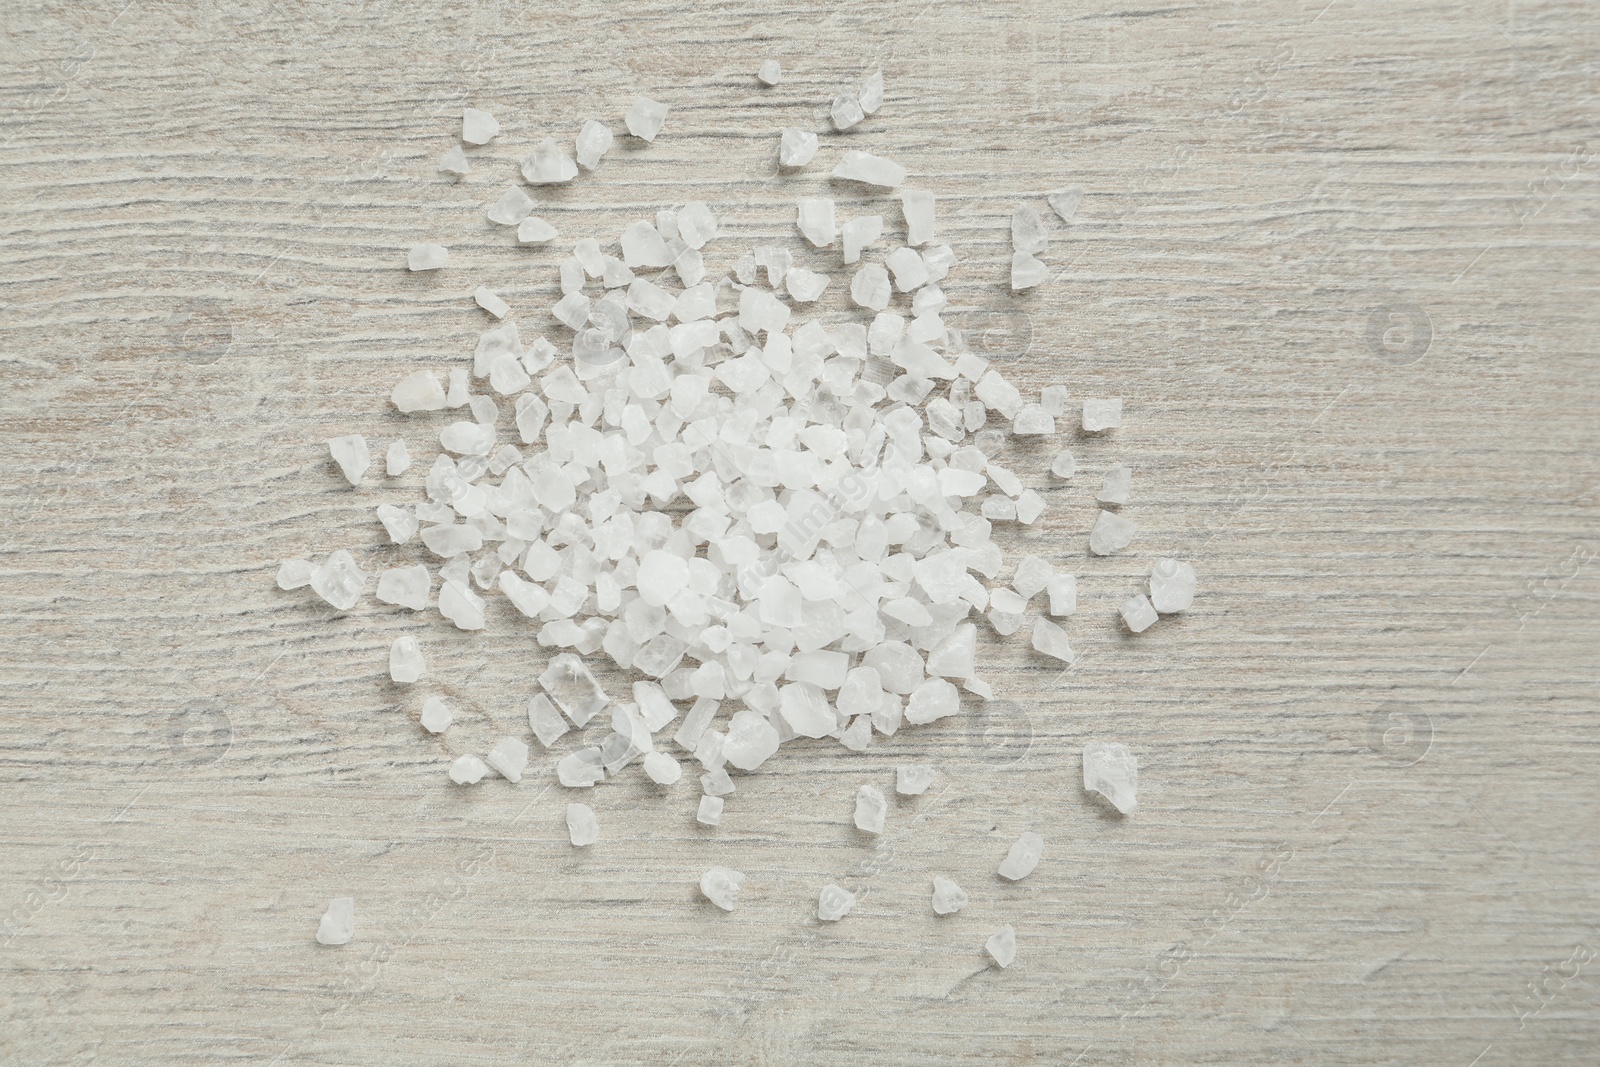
column 1002, row 945
column 1101, row 415
column 913, row 779
column 436, row 717
column 870, row 287
column 339, row 580
column 1030, row 505
column 594, row 141
column 295, row 574
column 662, row 768
column 454, row 162
column 721, row 886
column 1111, row 533
column 1051, row 640
column 710, row 811
column 419, row 391
column 461, row 606
column 427, row 257
column 909, row 269
column 1112, row 771
column 512, row 207
column 805, row 285
column 871, row 96
column 509, row 759
column 796, row 147
column 573, row 688
column 1137, row 613
column 948, row 898
column 468, row 770
column 1053, row 400
column 917, row 204
column 545, row 721
column 490, row 301
column 816, row 221
column 869, row 169
column 1027, row 271
column 580, row 769
column 1064, row 202
column 716, row 783
column 846, row 111
column 1171, row 586
column 870, row 809
column 643, row 246
column 750, row 741
column 834, row 903
column 1032, row 421
column 645, row 118
column 536, row 231
column 478, row 127
column 1114, row 487
column 1027, row 230
column 352, row 456
column 1064, row 465
column 405, row 658
column 1023, row 857
column 805, row 708
column 582, row 827
column 338, row 924
column 933, row 699
column 771, row 70
column 857, row 234
column 548, row 164
column 405, row 586
column 1033, row 574
column 1063, row 590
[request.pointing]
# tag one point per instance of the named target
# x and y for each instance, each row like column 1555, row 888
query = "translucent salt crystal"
column 917, row 204
column 352, row 456
column 339, row 580
column 913, row 779
column 1114, row 487
column 1006, row 611
column 427, row 257
column 805, row 285
column 418, row 392
column 1000, row 509
column 816, row 221
column 948, row 898
column 662, row 575
column 721, row 886
column 406, row 586
column 1111, row 533
column 805, row 708
column 716, row 783
column 573, row 688
column 594, row 141
column 955, row 655
column 662, row 768
column 898, row 665
column 834, row 903
column 857, row 234
column 1065, row 201
column 1027, row 230
column 548, row 164
column 294, row 574
column 454, row 162
column 512, row 207
column 909, row 269
column 1033, row 574
column 1027, row 271
column 870, row 809
column 796, row 147
column 536, row 231
column 338, row 924
column 509, row 759
column 771, row 70
column 452, row 539
column 456, row 395
column 643, row 246
column 710, row 811
column 400, row 524
column 405, row 658
column 490, row 301
column 1171, row 586
column 1102, row 414
column 1032, row 420
column 1064, row 465
column 869, row 169
column 461, row 606
column 1063, row 590
column 871, row 96
column 999, row 394
column 1030, row 505
column 645, row 118
column 751, row 739
column 870, row 287
column 1002, row 945
column 1051, row 640
column 761, row 311
column 582, row 827
column 478, row 127
column 436, row 717
column 1112, row 771
column 545, row 721
column 1137, row 613
column 846, row 111
column 933, row 699
column 468, row 770
column 580, row 769
column 857, row 737
column 1023, row 857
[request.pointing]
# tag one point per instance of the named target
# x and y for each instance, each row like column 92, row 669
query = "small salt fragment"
column 948, row 898
column 846, row 111
column 536, row 231
column 1002, row 945
column 456, row 396
column 1101, row 415
column 933, row 699
column 548, row 164
column 857, row 234
column 870, row 287
column 796, row 147
column 909, row 269
column 478, row 127
column 871, row 97
column 917, row 204
column 545, row 721
column 339, row 580
column 1137, row 613
column 1171, row 586
column 1112, row 771
column 513, row 206
column 461, row 606
column 834, row 903
column 913, row 779
column 573, row 688
column 509, row 759
column 710, row 811
column 419, row 391
column 721, row 886
column 1023, row 857
column 870, row 809
column 1030, row 505
column 869, row 169
column 1053, row 400
column 769, row 74
column 400, row 524
column 405, row 586
column 397, row 458
column 454, row 162
column 750, row 741
column 1027, row 230
column 662, row 768
column 352, row 456
column 1114, row 486
column 1051, row 640
column 1033, row 574
column 804, row 285
column 857, row 737
column 645, row 118
column 468, row 770
column 405, row 658
column 427, row 257
column 1064, row 202
column 436, row 717
column 338, row 924
column 816, row 221
column 1064, row 465
column 1111, row 533
column 295, row 574
column 580, row 769
column 1063, row 590
column 594, row 141
column 716, row 783
column 1033, row 421
column 582, row 827
column 1027, row 271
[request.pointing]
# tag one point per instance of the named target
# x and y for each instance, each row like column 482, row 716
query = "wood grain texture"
column 1370, row 821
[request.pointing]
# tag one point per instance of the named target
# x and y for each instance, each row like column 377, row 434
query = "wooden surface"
column 1368, row 821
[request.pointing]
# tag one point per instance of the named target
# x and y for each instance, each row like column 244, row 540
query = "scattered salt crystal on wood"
column 427, row 257
column 1027, row 271
column 1051, row 640
column 1053, row 400
column 870, row 809
column 405, row 658
column 1063, row 590
column 769, row 74
column 716, row 783
column 1064, row 465
column 721, row 886
column 834, row 903
column 513, row 206
column 805, row 285
column 339, row 580
column 846, row 111
column 1114, row 486
column 461, row 606
column 816, row 221
column 1137, row 613
column 913, row 779
column 468, row 770
column 1064, row 202
column 352, row 456
column 710, row 811
column 1027, row 230
column 869, row 169
column 645, row 118
column 909, row 269
column 1030, row 505
column 454, row 162
column 405, row 586
column 419, row 391
column 1101, row 415
column 397, row 459
column 871, row 96
column 509, row 759
column 582, row 827
column 548, row 164
column 295, row 574
column 478, row 127
column 1033, row 574
column 436, row 717
column 1002, row 945
column 580, row 769
column 662, row 768
column 796, row 147
column 751, row 739
column 1111, row 770
column 857, row 234
column 948, row 898
column 338, row 924
column 545, row 721
column 917, row 204
column 594, row 141
column 870, row 287
column 536, row 231
column 1111, row 533
column 573, row 688
column 1171, row 586
column 1023, row 857
column 932, row 699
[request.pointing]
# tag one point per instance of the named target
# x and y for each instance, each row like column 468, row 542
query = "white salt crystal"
column 573, row 688
column 710, row 811
column 1033, row 574
column 582, row 827
column 1111, row 533
column 468, row 770
column 796, row 147
column 662, row 575
column 397, row 458
column 427, row 257
column 858, row 735
column 536, row 231
column 1027, row 271
column 870, row 809
column 771, row 70
column 461, row 606
column 1137, row 613
column 454, row 162
column 1023, row 857
column 662, row 768
column 1065, row 201
column 352, row 456
column 816, row 221
column 400, row 524
column 548, row 164
column 456, row 395
column 1114, row 487
column 805, row 285
column 1102, row 414
column 1002, row 945
column 645, row 118
column 870, row 170
column 1053, row 400
column 933, row 699
column 1000, row 395
column 1171, row 586
column 545, row 721
column 716, row 783
column 1064, row 465
column 509, row 758
column 857, row 234
column 295, row 574
column 1112, row 771
column 805, row 708
column 1030, row 505
column 338, row 924
column 580, row 769
column 406, row 586
column 405, row 658
column 594, row 141
column 1027, row 230
column 339, row 580
column 1032, row 420
column 1063, row 589
column 1051, row 640
column 512, row 207
column 948, row 898
column 870, row 287
column 871, row 97
column 913, row 779
column 751, row 739
column 419, row 391
column 478, row 127
column 436, row 717
column 909, row 269
column 721, row 886
column 918, row 207
column 846, row 111
column 834, row 903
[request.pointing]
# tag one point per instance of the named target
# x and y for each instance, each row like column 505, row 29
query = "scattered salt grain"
column 546, row 722
column 913, row 779
column 338, row 924
column 645, row 118
column 1030, row 505
column 461, row 606
column 427, row 257
column 352, row 456
column 805, row 285
column 1027, row 230
column 816, row 221
column 1065, row 201
column 721, row 886
column 846, row 111
column 917, row 204
column 400, row 524
column 948, row 898
column 548, row 164
column 582, row 827
column 857, row 234
column 871, row 97
column 834, row 903
column 594, row 141
column 750, row 740
column 1171, row 586
column 870, row 287
column 405, row 586
column 1063, row 590
column 397, row 459
column 710, row 811
column 468, row 770
column 436, row 717
column 1137, row 613
column 1111, row 533
column 1027, row 271
column 908, row 268
column 1023, row 857
column 1112, row 771
column 512, row 207
column 478, row 127
column 509, row 759
column 769, row 74
column 1064, row 465
column 1002, row 945
column 1101, row 415
column 1114, row 487
column 339, row 580
column 1051, row 640
column 1033, row 574
column 796, row 147
column 580, row 769
column 419, row 391
column 294, row 574
column 573, row 688
column 454, row 162
column 869, row 169
column 536, row 231
column 662, row 768
column 870, row 809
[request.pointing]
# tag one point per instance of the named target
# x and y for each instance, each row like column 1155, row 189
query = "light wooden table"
column 1339, row 260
